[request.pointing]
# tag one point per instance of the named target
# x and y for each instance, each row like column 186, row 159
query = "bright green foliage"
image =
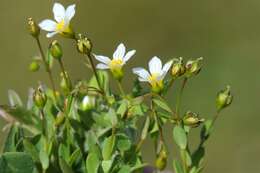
column 58, row 132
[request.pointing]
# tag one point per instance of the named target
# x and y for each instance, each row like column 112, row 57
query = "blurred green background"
column 225, row 33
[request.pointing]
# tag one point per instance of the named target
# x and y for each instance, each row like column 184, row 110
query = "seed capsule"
column 193, row 67
column 224, row 98
column 33, row 28
column 39, row 98
column 178, row 68
column 84, row 45
column 192, row 119
column 55, row 50
column 34, row 66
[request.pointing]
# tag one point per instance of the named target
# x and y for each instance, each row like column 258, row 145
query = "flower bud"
column 84, row 45
column 192, row 119
column 39, row 98
column 193, row 67
column 178, row 68
column 161, row 161
column 33, row 28
column 224, row 98
column 34, row 66
column 87, row 103
column 59, row 119
column 55, row 50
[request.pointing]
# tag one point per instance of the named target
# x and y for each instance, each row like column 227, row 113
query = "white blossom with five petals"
column 62, row 23
column 156, row 73
column 120, row 57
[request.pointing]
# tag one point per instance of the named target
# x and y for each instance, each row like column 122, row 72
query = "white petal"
column 48, row 25
column 120, row 51
column 103, row 59
column 51, row 34
column 128, row 55
column 59, row 12
column 102, row 66
column 70, row 12
column 85, row 100
column 142, row 73
column 167, row 66
column 165, row 70
column 155, row 65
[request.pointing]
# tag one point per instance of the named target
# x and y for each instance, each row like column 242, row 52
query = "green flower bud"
column 87, row 103
column 39, row 98
column 34, row 66
column 192, row 119
column 33, row 28
column 178, row 68
column 193, row 67
column 161, row 161
column 84, row 45
column 224, row 98
column 55, row 50
column 59, row 119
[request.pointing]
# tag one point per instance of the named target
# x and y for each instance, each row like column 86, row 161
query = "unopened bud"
column 192, row 119
column 34, row 66
column 55, row 50
column 161, row 161
column 59, row 119
column 193, row 67
column 33, row 28
column 224, row 98
column 84, row 45
column 87, row 103
column 39, row 98
column 178, row 68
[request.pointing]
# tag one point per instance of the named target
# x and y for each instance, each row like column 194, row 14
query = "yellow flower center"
column 157, row 85
column 60, row 26
column 116, row 64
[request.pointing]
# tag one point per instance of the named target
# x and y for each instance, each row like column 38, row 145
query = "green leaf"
column 180, row 137
column 177, row 167
column 108, row 147
column 125, row 169
column 10, row 141
column 76, row 155
column 92, row 163
column 123, row 143
column 106, row 165
column 162, row 105
column 64, row 166
column 31, row 149
column 197, row 156
column 206, row 130
column 122, row 108
column 146, row 128
column 14, row 162
column 44, row 158
column 14, row 99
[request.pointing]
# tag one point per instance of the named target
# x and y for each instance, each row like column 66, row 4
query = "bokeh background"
column 225, row 33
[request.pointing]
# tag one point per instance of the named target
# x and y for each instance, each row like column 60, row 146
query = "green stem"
column 94, row 71
column 180, row 98
column 47, row 68
column 65, row 75
column 121, row 88
column 43, row 123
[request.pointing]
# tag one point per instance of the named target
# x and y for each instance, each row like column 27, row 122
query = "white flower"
column 62, row 23
column 156, row 73
column 120, row 57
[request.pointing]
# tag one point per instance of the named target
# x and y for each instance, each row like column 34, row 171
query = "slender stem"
column 43, row 122
column 94, row 70
column 121, row 87
column 47, row 68
column 180, row 98
column 68, row 81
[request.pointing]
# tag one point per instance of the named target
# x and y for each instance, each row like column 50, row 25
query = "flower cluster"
column 86, row 126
